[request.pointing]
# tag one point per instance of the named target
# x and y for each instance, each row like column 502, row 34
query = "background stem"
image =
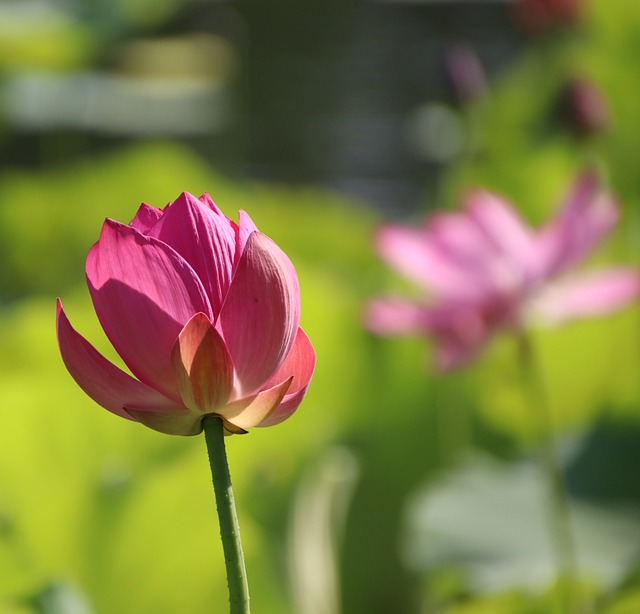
column 560, row 519
column 229, row 527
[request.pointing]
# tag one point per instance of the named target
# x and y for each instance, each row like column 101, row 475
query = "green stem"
column 229, row 527
column 563, row 541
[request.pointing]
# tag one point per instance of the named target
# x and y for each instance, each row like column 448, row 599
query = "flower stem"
column 229, row 527
column 563, row 541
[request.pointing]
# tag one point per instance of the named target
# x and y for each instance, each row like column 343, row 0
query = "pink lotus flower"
column 203, row 311
column 483, row 270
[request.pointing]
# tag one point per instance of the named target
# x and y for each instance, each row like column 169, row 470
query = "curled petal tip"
column 232, row 429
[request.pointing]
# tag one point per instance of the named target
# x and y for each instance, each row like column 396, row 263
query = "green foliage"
column 48, row 43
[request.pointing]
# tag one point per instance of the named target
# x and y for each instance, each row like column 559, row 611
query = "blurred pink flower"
column 464, row 73
column 483, row 270
column 203, row 311
column 582, row 107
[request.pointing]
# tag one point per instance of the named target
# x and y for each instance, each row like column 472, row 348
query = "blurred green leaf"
column 490, row 520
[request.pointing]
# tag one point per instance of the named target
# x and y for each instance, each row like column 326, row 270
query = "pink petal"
column 207, row 200
column 143, row 293
column 300, row 363
column 413, row 254
column 463, row 325
column 176, row 422
column 460, row 332
column 503, row 227
column 202, row 365
column 451, row 356
column 255, row 409
column 587, row 216
column 473, row 249
column 587, row 295
column 395, row 316
column 107, row 385
column 145, row 218
column 205, row 239
column 458, row 235
column 260, row 317
column 245, row 228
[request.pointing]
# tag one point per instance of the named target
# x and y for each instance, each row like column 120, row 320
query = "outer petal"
column 143, row 293
column 300, row 364
column 245, row 228
column 202, row 365
column 414, row 254
column 145, row 218
column 587, row 295
column 100, row 379
column 176, row 422
column 588, row 215
column 205, row 239
column 255, row 409
column 260, row 317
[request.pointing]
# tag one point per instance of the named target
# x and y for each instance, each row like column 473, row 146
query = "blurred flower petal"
column 395, row 316
column 450, row 355
column 503, row 227
column 587, row 216
column 414, row 255
column 587, row 295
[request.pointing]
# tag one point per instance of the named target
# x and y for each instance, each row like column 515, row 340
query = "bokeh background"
column 392, row 489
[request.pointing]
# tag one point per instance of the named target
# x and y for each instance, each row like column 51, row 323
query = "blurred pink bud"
column 583, row 108
column 464, row 73
column 203, row 311
column 540, row 16
column 483, row 270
